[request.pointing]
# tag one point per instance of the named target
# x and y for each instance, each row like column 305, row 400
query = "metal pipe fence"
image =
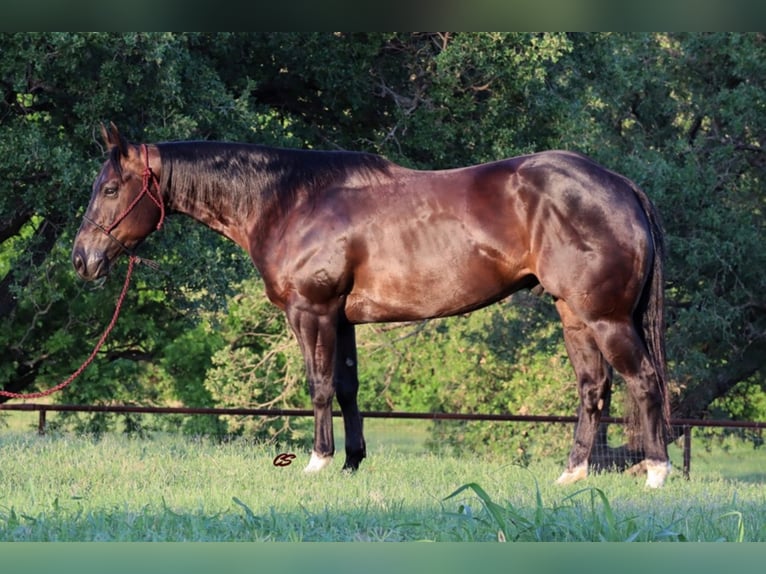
column 685, row 425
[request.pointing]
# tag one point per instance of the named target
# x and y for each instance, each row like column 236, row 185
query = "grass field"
column 75, row 488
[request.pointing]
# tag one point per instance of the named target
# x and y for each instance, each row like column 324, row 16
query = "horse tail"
column 649, row 315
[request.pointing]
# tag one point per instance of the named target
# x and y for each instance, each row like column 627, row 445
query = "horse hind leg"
column 624, row 349
column 594, row 378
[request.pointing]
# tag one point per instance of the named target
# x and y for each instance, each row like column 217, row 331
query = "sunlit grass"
column 66, row 487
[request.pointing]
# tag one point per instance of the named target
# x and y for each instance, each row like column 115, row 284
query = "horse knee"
column 322, row 401
column 321, row 395
column 645, row 390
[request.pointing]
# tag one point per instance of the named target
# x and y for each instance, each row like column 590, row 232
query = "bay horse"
column 345, row 238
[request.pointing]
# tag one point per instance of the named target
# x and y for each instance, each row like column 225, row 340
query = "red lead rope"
column 148, row 178
column 93, row 354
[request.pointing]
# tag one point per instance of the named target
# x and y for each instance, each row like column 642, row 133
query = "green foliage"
column 585, row 515
column 467, row 98
column 508, row 358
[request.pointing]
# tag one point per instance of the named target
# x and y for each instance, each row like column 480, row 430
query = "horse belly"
column 423, row 288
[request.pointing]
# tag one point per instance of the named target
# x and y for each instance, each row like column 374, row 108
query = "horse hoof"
column 317, row 462
column 656, row 472
column 577, row 473
column 350, row 468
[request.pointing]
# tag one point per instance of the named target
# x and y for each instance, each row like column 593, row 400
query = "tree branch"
column 695, row 402
column 135, row 355
column 12, row 224
column 48, row 233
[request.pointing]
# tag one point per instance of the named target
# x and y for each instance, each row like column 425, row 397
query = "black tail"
column 650, row 312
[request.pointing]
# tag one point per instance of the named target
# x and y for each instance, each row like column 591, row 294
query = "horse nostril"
column 78, row 260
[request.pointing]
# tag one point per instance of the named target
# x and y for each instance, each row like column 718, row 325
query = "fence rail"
column 685, row 424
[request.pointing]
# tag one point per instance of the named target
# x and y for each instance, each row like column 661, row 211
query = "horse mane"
column 249, row 178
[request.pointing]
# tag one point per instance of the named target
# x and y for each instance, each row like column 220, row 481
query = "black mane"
column 239, row 177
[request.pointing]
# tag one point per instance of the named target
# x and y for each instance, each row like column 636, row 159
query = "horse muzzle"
column 90, row 265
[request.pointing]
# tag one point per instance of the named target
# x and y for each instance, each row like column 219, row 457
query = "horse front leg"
column 347, row 386
column 316, row 336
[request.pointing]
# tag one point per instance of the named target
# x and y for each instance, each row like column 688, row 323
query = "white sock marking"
column 656, row 472
column 317, row 462
column 577, row 473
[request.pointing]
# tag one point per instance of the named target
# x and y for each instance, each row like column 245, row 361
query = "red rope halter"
column 148, row 177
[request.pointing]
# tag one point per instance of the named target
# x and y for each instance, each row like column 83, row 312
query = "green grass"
column 66, row 487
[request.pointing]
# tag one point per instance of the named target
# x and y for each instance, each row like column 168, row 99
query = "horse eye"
column 110, row 190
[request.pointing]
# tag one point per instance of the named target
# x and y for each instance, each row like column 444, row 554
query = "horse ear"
column 113, row 138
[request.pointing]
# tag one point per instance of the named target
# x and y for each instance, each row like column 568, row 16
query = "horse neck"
column 228, row 202
column 243, row 190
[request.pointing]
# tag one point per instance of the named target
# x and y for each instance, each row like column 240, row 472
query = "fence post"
column 687, row 450
column 41, row 422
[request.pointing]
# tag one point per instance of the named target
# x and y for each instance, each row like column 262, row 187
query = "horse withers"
column 345, row 238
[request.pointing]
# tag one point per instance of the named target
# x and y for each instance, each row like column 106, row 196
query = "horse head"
column 125, row 206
